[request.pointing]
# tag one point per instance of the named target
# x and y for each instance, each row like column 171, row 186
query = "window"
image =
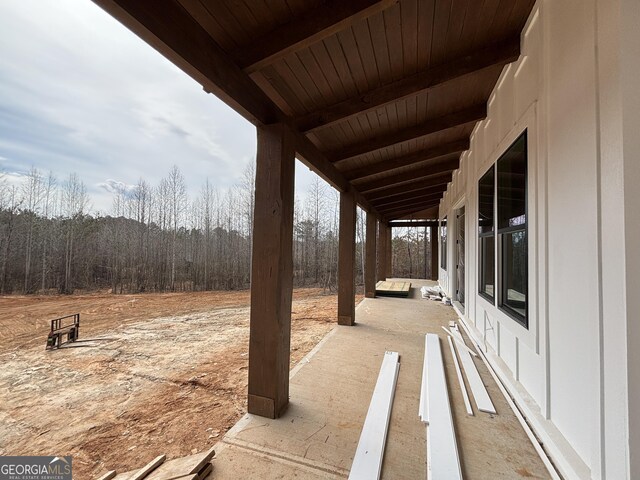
column 502, row 217
column 486, row 234
column 443, row 244
column 512, row 228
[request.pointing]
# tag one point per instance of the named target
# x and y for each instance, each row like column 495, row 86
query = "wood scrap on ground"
column 193, row 467
column 393, row 289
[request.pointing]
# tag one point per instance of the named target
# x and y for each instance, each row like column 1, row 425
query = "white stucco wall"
column 574, row 90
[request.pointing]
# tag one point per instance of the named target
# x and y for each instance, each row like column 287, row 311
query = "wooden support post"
column 370, row 257
column 382, row 251
column 271, row 273
column 347, row 259
column 433, row 230
column 389, row 255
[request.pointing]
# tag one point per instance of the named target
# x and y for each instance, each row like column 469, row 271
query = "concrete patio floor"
column 329, row 396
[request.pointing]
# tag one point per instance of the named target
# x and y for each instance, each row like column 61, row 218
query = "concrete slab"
column 329, row 396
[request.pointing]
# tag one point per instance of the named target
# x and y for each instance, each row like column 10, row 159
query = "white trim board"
column 443, row 462
column 423, row 406
column 479, row 391
column 463, row 388
column 367, row 461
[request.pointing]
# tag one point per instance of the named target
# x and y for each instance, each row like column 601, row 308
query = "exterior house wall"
column 570, row 370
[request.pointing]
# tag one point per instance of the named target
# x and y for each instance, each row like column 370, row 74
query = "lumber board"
column 367, row 461
column 393, row 289
column 423, row 407
column 463, row 388
column 108, row 476
column 193, row 464
column 442, row 451
column 148, row 468
column 204, row 473
column 478, row 390
column 458, row 338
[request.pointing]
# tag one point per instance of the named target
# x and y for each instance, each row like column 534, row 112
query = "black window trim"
column 522, row 320
column 492, row 233
column 497, row 234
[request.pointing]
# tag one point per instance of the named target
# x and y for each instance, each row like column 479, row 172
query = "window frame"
column 481, row 235
column 443, row 244
column 523, row 320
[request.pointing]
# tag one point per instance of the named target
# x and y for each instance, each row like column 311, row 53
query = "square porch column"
column 370, row 257
column 389, row 255
column 382, row 251
column 433, row 234
column 271, row 273
column 346, row 259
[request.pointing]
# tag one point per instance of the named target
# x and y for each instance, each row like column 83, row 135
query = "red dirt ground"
column 152, row 373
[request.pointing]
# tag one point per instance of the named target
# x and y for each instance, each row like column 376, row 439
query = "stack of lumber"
column 393, row 289
column 193, row 467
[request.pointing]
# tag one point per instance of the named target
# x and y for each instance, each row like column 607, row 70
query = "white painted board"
column 443, row 462
column 463, row 388
column 423, row 406
column 367, row 461
column 478, row 390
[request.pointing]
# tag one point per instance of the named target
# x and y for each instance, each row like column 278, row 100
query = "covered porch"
column 330, row 391
column 380, row 99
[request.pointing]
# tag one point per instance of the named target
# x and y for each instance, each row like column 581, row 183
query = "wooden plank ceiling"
column 379, row 96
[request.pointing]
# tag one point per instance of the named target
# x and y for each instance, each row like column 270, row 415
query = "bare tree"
column 74, row 202
column 177, row 191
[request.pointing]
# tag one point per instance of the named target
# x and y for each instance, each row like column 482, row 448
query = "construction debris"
column 393, row 289
column 193, row 467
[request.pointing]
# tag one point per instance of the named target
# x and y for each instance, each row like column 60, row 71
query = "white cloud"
column 113, row 186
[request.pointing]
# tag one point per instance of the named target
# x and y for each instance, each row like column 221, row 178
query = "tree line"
column 157, row 238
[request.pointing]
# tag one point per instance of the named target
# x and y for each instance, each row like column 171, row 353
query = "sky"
column 80, row 93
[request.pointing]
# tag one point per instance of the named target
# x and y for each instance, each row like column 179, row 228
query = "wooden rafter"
column 420, row 156
column 410, row 203
column 438, row 189
column 330, row 17
column 392, row 214
column 495, row 55
column 416, row 198
column 411, row 176
column 441, row 181
column 416, row 223
column 434, row 125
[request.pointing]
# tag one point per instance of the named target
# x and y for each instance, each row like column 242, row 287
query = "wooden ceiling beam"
column 168, row 27
column 396, row 201
column 408, row 204
column 493, row 56
column 329, row 18
column 390, row 215
column 438, row 189
column 172, row 31
column 434, row 125
column 413, row 224
column 413, row 175
column 438, row 181
column 420, row 156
